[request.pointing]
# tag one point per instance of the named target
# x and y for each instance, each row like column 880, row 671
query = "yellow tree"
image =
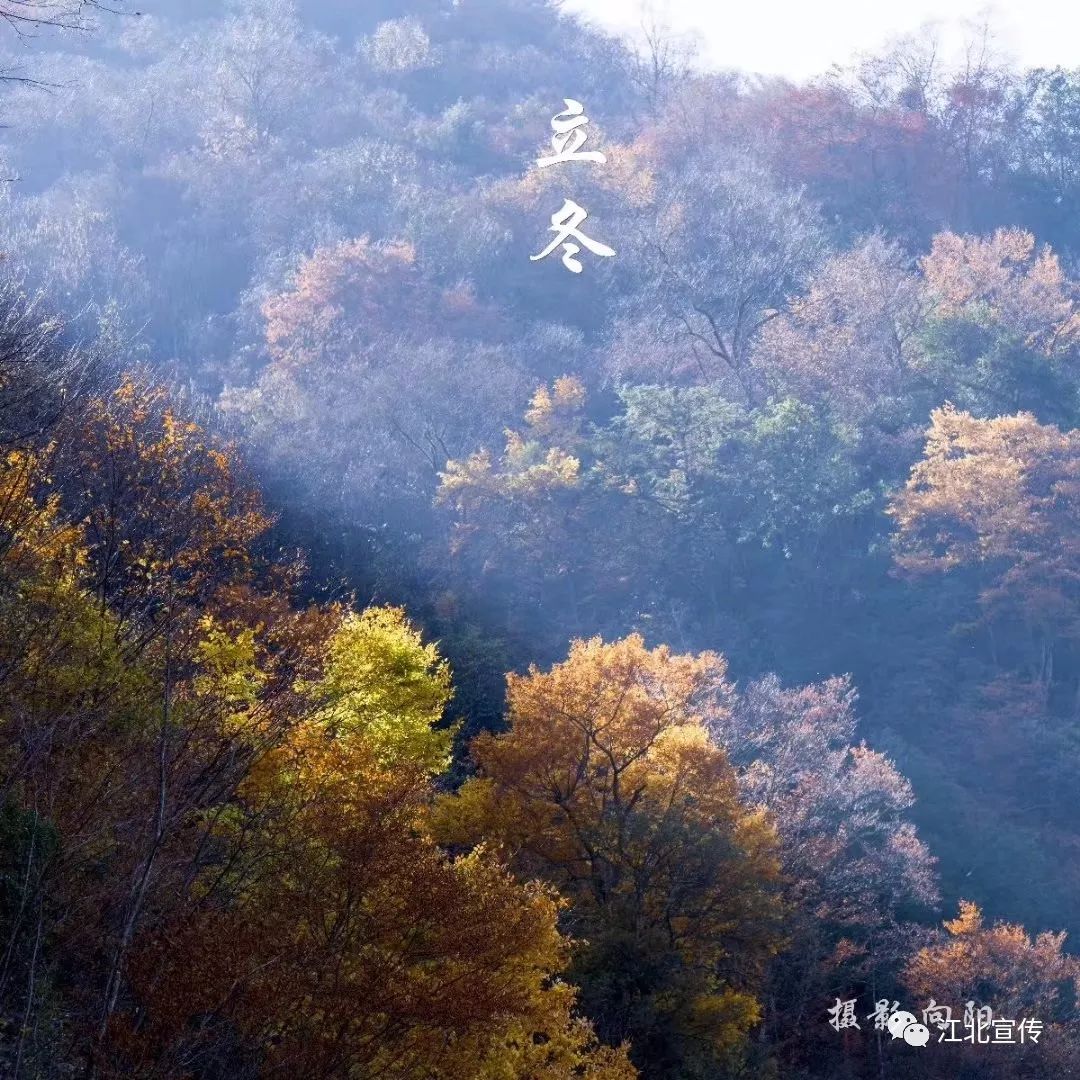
column 1019, row 976
column 1006, row 282
column 532, row 505
column 143, row 666
column 384, row 682
column 337, row 937
column 1000, row 499
column 215, row 805
column 169, row 516
column 607, row 785
column 991, row 515
column 538, row 472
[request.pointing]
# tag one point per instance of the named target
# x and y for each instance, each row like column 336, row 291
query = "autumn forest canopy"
column 418, row 662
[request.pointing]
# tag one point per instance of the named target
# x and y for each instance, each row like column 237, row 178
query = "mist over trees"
column 418, row 662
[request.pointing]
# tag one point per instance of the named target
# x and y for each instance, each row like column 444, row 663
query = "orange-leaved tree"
column 1028, row 982
column 1000, row 500
column 607, row 785
column 332, row 933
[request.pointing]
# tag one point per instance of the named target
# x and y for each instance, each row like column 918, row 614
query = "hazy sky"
column 798, row 38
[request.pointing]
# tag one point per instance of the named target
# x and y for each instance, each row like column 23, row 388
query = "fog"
column 808, row 403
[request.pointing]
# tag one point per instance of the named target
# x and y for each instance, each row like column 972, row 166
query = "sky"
column 797, row 39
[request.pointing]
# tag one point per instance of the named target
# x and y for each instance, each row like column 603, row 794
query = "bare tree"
column 725, row 247
column 663, row 58
column 24, row 16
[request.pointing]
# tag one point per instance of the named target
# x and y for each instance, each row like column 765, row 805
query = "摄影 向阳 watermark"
column 977, row 1025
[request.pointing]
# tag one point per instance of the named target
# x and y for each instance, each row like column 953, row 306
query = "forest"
column 421, row 662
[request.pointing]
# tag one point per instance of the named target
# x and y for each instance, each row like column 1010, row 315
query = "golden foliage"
column 1006, row 280
column 607, row 785
column 384, row 684
column 1001, row 965
column 351, row 944
column 1002, row 494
